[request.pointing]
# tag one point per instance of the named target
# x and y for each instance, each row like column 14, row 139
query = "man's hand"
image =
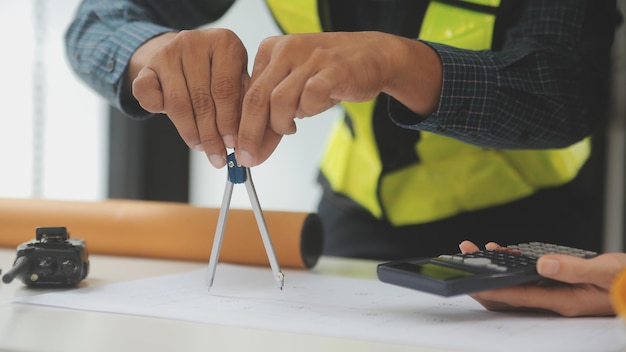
column 302, row 75
column 584, row 290
column 198, row 78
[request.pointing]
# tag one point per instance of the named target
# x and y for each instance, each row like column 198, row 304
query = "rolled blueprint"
column 166, row 230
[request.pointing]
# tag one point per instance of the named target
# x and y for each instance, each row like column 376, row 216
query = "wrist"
column 416, row 79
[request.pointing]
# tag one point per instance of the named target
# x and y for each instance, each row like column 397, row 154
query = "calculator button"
column 537, row 249
column 477, row 261
column 589, row 254
column 496, row 267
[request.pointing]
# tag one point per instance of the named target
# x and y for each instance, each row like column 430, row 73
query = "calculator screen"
column 435, row 271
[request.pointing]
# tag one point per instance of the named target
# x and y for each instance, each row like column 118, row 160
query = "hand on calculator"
column 584, row 290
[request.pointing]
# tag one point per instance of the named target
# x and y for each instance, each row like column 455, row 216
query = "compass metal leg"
column 219, row 232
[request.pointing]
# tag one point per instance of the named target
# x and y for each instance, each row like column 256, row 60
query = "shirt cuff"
column 467, row 95
column 104, row 64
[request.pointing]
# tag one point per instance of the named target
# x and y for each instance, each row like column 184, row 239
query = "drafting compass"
column 241, row 174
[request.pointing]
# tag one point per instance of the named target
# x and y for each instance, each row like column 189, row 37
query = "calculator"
column 462, row 273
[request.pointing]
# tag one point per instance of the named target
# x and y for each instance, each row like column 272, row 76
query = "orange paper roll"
column 166, row 230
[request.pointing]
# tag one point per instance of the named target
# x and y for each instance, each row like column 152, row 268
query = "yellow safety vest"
column 451, row 176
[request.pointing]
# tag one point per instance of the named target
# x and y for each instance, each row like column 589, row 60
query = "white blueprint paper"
column 338, row 306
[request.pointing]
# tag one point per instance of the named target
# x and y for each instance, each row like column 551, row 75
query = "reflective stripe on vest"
column 451, row 176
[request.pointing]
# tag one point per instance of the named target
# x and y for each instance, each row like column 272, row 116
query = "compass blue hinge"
column 236, row 172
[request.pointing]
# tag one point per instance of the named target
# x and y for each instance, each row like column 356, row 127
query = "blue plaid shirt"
column 546, row 87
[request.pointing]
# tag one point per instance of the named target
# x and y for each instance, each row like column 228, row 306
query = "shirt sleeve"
column 546, row 87
column 104, row 34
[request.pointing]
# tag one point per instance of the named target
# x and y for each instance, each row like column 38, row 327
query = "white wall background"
column 52, row 129
column 65, row 156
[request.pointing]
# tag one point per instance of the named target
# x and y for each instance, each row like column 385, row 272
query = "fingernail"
column 198, row 148
column 229, row 141
column 244, row 158
column 217, row 161
column 548, row 266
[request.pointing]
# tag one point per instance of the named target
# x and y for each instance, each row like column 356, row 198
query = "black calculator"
column 455, row 274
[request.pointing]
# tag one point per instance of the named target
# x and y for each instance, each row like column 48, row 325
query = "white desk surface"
column 36, row 327
column 40, row 328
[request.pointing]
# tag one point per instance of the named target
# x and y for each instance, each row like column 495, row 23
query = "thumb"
column 575, row 270
column 146, row 88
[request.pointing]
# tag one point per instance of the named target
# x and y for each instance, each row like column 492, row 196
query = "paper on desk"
column 337, row 306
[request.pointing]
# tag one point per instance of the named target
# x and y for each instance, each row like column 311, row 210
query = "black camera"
column 52, row 260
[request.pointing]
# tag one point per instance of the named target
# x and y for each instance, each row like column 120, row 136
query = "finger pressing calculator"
column 462, row 273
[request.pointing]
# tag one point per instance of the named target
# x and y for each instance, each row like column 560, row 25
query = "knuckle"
column 321, row 54
column 185, row 35
column 264, row 52
column 226, row 38
column 255, row 98
column 268, row 43
column 202, row 102
column 225, row 89
column 178, row 106
column 225, row 34
column 279, row 96
column 318, row 85
column 181, row 40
